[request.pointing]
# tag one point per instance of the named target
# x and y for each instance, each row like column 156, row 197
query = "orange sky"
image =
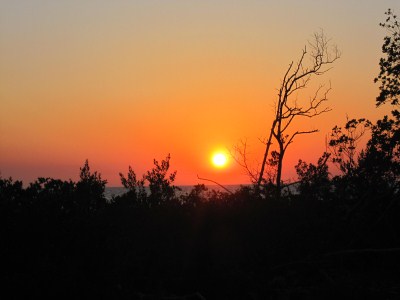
column 123, row 82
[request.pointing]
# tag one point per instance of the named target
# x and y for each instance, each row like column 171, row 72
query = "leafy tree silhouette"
column 314, row 180
column 343, row 144
column 90, row 189
column 48, row 194
column 370, row 179
column 162, row 190
column 389, row 75
column 161, row 185
column 10, row 190
column 136, row 191
column 381, row 159
column 379, row 164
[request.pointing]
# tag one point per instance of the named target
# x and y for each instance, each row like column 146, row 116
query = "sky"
column 124, row 82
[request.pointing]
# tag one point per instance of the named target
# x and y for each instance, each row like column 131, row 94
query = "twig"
column 215, row 183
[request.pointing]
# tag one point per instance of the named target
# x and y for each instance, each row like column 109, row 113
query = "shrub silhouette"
column 161, row 185
column 314, row 180
column 389, row 75
column 196, row 196
column 10, row 191
column 90, row 189
column 136, row 194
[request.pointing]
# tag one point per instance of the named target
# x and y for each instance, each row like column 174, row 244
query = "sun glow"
column 219, row 160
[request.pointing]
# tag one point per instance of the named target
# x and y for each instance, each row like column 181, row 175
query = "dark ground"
column 234, row 247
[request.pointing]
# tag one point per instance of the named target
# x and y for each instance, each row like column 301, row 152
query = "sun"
column 219, row 160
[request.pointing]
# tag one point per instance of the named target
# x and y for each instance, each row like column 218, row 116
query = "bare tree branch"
column 297, row 133
column 205, row 179
column 240, row 156
column 296, row 78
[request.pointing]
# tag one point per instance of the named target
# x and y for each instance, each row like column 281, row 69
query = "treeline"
column 335, row 237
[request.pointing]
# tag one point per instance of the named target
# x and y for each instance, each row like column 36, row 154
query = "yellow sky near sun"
column 123, row 82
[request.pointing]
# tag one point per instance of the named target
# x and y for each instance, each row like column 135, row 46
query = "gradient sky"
column 123, row 82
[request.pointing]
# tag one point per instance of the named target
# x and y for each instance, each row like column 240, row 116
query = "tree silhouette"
column 90, row 189
column 343, row 144
column 135, row 186
column 389, row 75
column 373, row 172
column 314, row 179
column 288, row 108
column 160, row 184
column 10, row 190
column 383, row 149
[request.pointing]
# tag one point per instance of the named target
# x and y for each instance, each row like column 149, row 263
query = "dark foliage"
column 389, row 76
column 201, row 244
column 314, row 180
column 91, row 189
column 159, row 182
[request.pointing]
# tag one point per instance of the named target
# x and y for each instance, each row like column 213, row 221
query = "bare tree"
column 287, row 107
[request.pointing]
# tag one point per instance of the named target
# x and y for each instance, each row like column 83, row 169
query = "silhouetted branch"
column 220, row 185
column 296, row 78
column 297, row 133
column 240, row 156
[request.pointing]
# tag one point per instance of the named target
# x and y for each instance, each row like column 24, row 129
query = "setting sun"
column 219, row 160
